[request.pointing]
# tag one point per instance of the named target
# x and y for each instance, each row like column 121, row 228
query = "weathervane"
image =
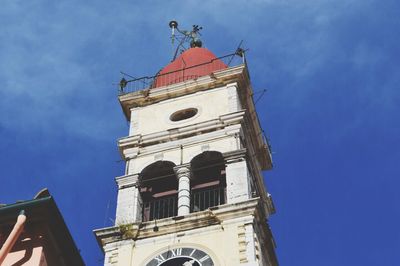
column 184, row 37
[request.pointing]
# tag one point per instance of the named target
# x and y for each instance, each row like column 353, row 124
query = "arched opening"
column 208, row 184
column 158, row 190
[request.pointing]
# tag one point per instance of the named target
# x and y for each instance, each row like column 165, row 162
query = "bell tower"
column 193, row 192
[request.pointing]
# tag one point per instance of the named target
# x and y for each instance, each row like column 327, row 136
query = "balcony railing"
column 203, row 199
column 200, row 200
column 137, row 84
column 160, row 208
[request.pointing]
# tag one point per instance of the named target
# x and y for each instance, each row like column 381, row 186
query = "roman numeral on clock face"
column 206, row 257
column 176, row 252
column 191, row 253
column 179, row 255
column 159, row 258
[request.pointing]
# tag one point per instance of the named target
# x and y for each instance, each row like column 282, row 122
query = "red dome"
column 193, row 63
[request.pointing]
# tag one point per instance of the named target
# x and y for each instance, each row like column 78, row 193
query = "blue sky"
column 331, row 111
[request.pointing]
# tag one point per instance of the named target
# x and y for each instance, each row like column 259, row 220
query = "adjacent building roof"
column 44, row 211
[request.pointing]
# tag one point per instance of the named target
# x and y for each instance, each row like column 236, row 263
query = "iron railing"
column 160, row 208
column 186, row 73
column 206, row 198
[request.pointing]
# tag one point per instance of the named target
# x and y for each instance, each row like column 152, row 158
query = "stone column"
column 183, row 175
column 237, row 177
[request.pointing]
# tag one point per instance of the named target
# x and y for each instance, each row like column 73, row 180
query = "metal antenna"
column 239, row 52
column 173, row 25
column 184, row 37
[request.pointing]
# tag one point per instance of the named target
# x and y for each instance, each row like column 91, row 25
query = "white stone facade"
column 221, row 125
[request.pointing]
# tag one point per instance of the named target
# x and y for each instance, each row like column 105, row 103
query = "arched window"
column 158, row 189
column 208, row 183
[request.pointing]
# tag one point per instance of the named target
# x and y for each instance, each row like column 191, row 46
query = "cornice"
column 132, row 144
column 151, row 96
column 234, row 156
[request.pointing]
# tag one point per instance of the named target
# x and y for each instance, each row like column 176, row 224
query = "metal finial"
column 185, row 37
column 173, row 24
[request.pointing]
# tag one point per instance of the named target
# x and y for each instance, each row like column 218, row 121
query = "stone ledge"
column 190, row 130
column 216, row 215
column 127, row 180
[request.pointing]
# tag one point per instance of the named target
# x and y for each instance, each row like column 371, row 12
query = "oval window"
column 183, row 114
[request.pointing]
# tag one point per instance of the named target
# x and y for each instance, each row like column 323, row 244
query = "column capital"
column 234, row 156
column 183, row 169
column 127, row 180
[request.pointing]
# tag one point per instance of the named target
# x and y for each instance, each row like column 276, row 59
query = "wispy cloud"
column 56, row 55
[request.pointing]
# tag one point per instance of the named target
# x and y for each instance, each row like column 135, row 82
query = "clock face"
column 182, row 257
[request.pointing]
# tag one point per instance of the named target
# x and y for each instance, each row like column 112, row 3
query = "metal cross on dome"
column 185, row 37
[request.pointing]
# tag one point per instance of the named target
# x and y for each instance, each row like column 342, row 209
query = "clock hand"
column 188, row 263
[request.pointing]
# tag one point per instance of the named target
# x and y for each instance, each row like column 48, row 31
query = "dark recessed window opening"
column 208, row 181
column 159, row 191
column 183, row 114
